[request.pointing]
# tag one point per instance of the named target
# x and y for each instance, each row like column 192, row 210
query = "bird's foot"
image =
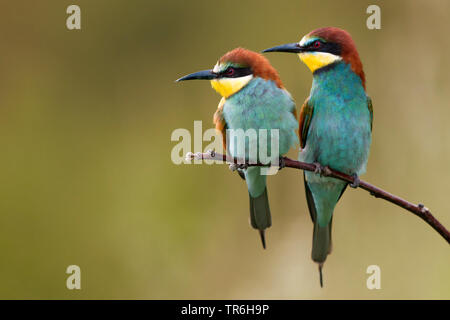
column 235, row 166
column 356, row 181
column 321, row 170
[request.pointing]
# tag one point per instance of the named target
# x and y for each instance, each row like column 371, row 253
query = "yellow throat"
column 317, row 60
column 228, row 86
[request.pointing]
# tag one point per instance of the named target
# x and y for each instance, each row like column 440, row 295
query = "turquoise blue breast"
column 339, row 135
column 261, row 105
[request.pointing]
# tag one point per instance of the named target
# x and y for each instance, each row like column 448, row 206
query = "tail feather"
column 321, row 235
column 321, row 243
column 263, row 237
column 322, row 240
column 320, row 275
column 321, row 246
column 260, row 217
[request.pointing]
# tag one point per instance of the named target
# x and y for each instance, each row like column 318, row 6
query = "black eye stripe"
column 329, row 47
column 238, row 72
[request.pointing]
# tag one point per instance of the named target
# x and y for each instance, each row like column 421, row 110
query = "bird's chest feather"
column 261, row 106
column 340, row 140
column 339, row 135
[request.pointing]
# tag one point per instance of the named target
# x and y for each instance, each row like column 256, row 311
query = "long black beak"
column 290, row 47
column 201, row 75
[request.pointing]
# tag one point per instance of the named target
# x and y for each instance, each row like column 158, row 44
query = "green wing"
column 220, row 123
column 369, row 105
column 306, row 113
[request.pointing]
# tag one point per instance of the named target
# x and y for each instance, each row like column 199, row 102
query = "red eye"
column 229, row 72
column 316, row 44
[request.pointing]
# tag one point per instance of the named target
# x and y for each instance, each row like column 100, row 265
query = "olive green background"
column 86, row 176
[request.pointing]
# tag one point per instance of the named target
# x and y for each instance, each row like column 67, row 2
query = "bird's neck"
column 336, row 78
column 255, row 87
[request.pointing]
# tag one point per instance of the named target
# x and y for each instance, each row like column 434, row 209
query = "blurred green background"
column 85, row 123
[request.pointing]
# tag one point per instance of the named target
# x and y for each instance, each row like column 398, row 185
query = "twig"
column 419, row 210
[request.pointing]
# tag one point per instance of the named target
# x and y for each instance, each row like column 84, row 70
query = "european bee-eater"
column 335, row 124
column 253, row 97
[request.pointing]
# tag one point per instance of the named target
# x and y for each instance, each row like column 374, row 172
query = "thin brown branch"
column 419, row 210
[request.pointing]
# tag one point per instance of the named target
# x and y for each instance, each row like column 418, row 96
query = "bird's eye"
column 229, row 72
column 317, row 44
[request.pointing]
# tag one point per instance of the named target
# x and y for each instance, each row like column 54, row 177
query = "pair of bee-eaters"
column 334, row 126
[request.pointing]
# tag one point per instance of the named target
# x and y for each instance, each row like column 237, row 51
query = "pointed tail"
column 260, row 217
column 321, row 247
column 259, row 202
column 322, row 244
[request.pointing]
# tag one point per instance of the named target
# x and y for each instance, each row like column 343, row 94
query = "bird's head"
column 323, row 47
column 236, row 69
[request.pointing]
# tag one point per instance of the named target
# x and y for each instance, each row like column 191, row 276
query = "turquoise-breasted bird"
column 335, row 124
column 253, row 97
